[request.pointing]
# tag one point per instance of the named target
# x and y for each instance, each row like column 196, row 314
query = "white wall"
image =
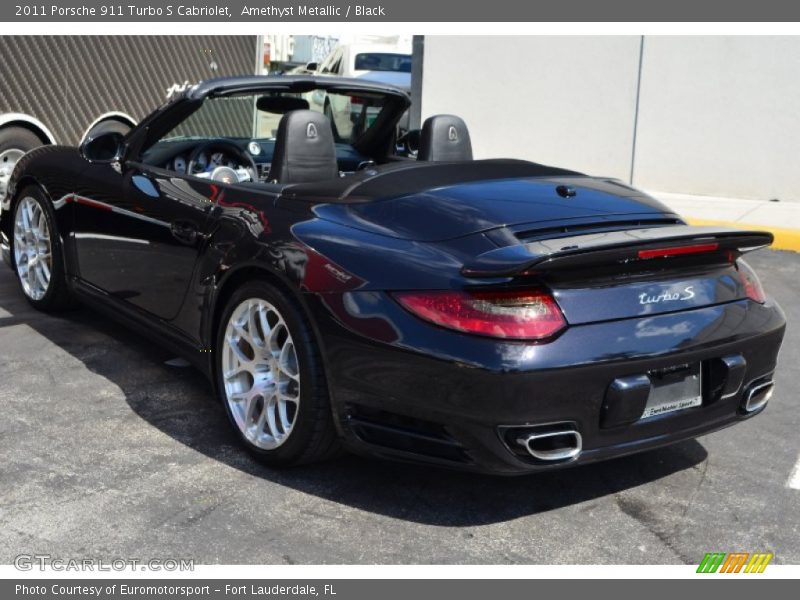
column 548, row 99
column 720, row 116
column 717, row 115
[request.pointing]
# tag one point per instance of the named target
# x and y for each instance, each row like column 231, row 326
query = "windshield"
column 383, row 61
column 258, row 115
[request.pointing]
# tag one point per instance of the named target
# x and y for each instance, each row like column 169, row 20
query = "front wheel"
column 37, row 252
column 271, row 380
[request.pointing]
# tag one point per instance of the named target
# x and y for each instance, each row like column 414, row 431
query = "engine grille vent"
column 532, row 235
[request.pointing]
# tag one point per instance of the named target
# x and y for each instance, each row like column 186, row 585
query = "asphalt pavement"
column 106, row 452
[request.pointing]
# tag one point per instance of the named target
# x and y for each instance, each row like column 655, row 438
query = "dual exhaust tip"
column 757, row 396
column 552, row 446
column 565, row 443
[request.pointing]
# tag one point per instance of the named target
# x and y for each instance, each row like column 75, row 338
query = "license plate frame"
column 674, row 390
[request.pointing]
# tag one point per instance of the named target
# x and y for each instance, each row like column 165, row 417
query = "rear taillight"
column 509, row 314
column 749, row 279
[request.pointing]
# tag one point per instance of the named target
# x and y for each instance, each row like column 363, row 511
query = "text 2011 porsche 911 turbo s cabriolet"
column 343, row 286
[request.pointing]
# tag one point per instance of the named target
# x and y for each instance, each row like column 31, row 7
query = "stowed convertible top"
column 411, row 177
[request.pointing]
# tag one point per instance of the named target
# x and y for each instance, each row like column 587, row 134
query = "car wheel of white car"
column 14, row 142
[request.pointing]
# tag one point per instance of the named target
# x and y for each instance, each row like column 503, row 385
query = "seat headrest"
column 444, row 138
column 304, row 149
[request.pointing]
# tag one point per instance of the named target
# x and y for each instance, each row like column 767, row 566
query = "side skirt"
column 158, row 331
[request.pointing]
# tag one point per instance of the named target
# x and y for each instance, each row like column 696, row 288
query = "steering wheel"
column 228, row 148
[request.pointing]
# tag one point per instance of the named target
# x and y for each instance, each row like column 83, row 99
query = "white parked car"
column 385, row 63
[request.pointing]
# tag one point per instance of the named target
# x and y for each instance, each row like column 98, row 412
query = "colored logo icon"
column 734, row 562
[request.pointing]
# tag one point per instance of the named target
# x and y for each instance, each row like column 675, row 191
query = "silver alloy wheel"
column 8, row 160
column 261, row 373
column 32, row 248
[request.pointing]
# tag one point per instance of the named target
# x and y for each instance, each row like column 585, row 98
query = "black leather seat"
column 304, row 149
column 444, row 138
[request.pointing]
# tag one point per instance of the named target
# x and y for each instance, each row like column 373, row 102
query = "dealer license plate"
column 674, row 389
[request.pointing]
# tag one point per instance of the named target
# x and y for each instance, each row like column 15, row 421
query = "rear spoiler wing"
column 613, row 247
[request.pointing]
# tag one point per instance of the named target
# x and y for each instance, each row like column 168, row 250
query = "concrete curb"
column 785, row 239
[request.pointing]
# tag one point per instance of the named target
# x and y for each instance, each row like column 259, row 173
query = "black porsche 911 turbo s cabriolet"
column 343, row 287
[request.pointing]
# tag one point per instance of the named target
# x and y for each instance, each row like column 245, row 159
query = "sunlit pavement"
column 781, row 218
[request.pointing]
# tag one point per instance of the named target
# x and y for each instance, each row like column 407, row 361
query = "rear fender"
column 380, row 262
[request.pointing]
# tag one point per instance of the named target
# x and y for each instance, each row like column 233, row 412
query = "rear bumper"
column 434, row 396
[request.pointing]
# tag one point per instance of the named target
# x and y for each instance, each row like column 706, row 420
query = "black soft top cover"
column 411, row 177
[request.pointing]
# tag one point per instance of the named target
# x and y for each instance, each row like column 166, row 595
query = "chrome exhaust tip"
column 757, row 396
column 552, row 446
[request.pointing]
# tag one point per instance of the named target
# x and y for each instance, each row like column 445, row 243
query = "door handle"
column 184, row 231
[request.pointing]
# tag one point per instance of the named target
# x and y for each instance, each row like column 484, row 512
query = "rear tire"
column 271, row 380
column 36, row 252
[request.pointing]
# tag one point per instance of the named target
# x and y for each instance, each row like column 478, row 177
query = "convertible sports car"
column 389, row 294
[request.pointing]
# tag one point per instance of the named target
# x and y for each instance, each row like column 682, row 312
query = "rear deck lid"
column 452, row 210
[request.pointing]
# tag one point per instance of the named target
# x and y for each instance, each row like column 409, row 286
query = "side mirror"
column 312, row 66
column 103, row 148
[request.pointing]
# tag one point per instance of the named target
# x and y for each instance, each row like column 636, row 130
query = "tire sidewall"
column 56, row 294
column 302, row 432
column 18, row 138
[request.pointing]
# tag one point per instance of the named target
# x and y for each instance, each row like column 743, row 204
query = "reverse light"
column 508, row 314
column 752, row 286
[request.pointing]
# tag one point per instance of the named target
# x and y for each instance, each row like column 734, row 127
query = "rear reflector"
column 678, row 250
column 508, row 314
